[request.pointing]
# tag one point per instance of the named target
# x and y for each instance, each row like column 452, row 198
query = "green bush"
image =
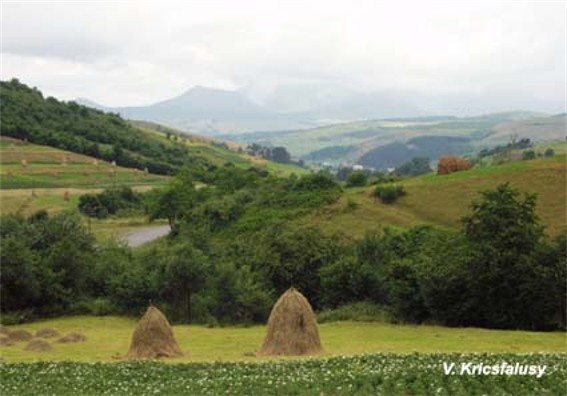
column 389, row 193
column 528, row 155
column 357, row 312
column 357, row 179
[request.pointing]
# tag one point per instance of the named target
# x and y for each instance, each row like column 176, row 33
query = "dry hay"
column 47, row 333
column 20, row 335
column 153, row 337
column 4, row 330
column 6, row 341
column 38, row 346
column 292, row 327
column 72, row 337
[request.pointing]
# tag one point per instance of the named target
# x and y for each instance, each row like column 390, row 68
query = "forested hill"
column 26, row 114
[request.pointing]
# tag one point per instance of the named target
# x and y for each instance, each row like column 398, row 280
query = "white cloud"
column 124, row 53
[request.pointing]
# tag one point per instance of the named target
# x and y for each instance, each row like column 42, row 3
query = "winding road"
column 145, row 235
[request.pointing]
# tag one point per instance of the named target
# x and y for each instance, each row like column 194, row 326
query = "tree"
column 415, row 167
column 280, row 154
column 528, row 155
column 176, row 201
column 505, row 276
column 504, row 221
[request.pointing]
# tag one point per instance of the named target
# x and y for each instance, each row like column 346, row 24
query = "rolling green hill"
column 34, row 177
column 27, row 115
column 443, row 200
column 369, row 141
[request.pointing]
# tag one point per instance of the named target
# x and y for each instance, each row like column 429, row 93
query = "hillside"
column 443, row 200
column 371, row 142
column 217, row 152
column 35, row 177
column 27, row 115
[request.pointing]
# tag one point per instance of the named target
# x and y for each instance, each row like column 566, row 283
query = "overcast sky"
column 139, row 52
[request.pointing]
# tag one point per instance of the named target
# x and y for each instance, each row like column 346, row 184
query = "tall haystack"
column 153, row 337
column 292, row 327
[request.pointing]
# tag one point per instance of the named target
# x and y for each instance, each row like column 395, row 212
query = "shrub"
column 528, row 155
column 357, row 179
column 362, row 311
column 389, row 194
column 549, row 152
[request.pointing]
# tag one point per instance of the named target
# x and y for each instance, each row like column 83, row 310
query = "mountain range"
column 214, row 111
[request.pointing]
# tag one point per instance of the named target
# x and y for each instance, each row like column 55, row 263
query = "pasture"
column 30, row 166
column 108, row 338
column 443, row 200
column 358, row 358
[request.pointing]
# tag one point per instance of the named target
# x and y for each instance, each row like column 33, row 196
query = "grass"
column 109, row 338
column 28, row 201
column 444, row 200
column 31, row 166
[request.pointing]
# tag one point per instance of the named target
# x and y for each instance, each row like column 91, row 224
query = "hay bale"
column 47, row 333
column 38, row 346
column 72, row 337
column 6, row 341
column 292, row 327
column 153, row 337
column 20, row 335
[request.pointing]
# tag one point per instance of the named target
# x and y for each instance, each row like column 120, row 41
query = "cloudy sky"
column 118, row 53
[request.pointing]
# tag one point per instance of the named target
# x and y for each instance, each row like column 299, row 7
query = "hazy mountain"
column 214, row 111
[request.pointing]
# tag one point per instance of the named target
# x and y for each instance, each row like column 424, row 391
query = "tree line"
column 236, row 246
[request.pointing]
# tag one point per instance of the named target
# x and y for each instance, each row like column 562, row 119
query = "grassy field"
column 108, row 339
column 53, row 200
column 30, row 166
column 443, row 200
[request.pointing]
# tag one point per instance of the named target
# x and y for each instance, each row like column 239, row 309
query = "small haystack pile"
column 153, row 337
column 47, row 333
column 38, row 346
column 72, row 337
column 292, row 327
column 20, row 335
column 5, row 341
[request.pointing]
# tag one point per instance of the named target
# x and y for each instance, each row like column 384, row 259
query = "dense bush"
column 415, row 167
column 109, row 202
column 234, row 253
column 357, row 179
column 389, row 193
column 528, row 155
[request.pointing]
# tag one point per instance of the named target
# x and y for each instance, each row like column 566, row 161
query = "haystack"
column 47, row 333
column 38, row 346
column 153, row 337
column 20, row 335
column 5, row 341
column 72, row 337
column 292, row 327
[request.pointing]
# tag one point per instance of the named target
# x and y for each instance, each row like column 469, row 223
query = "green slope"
column 443, row 200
